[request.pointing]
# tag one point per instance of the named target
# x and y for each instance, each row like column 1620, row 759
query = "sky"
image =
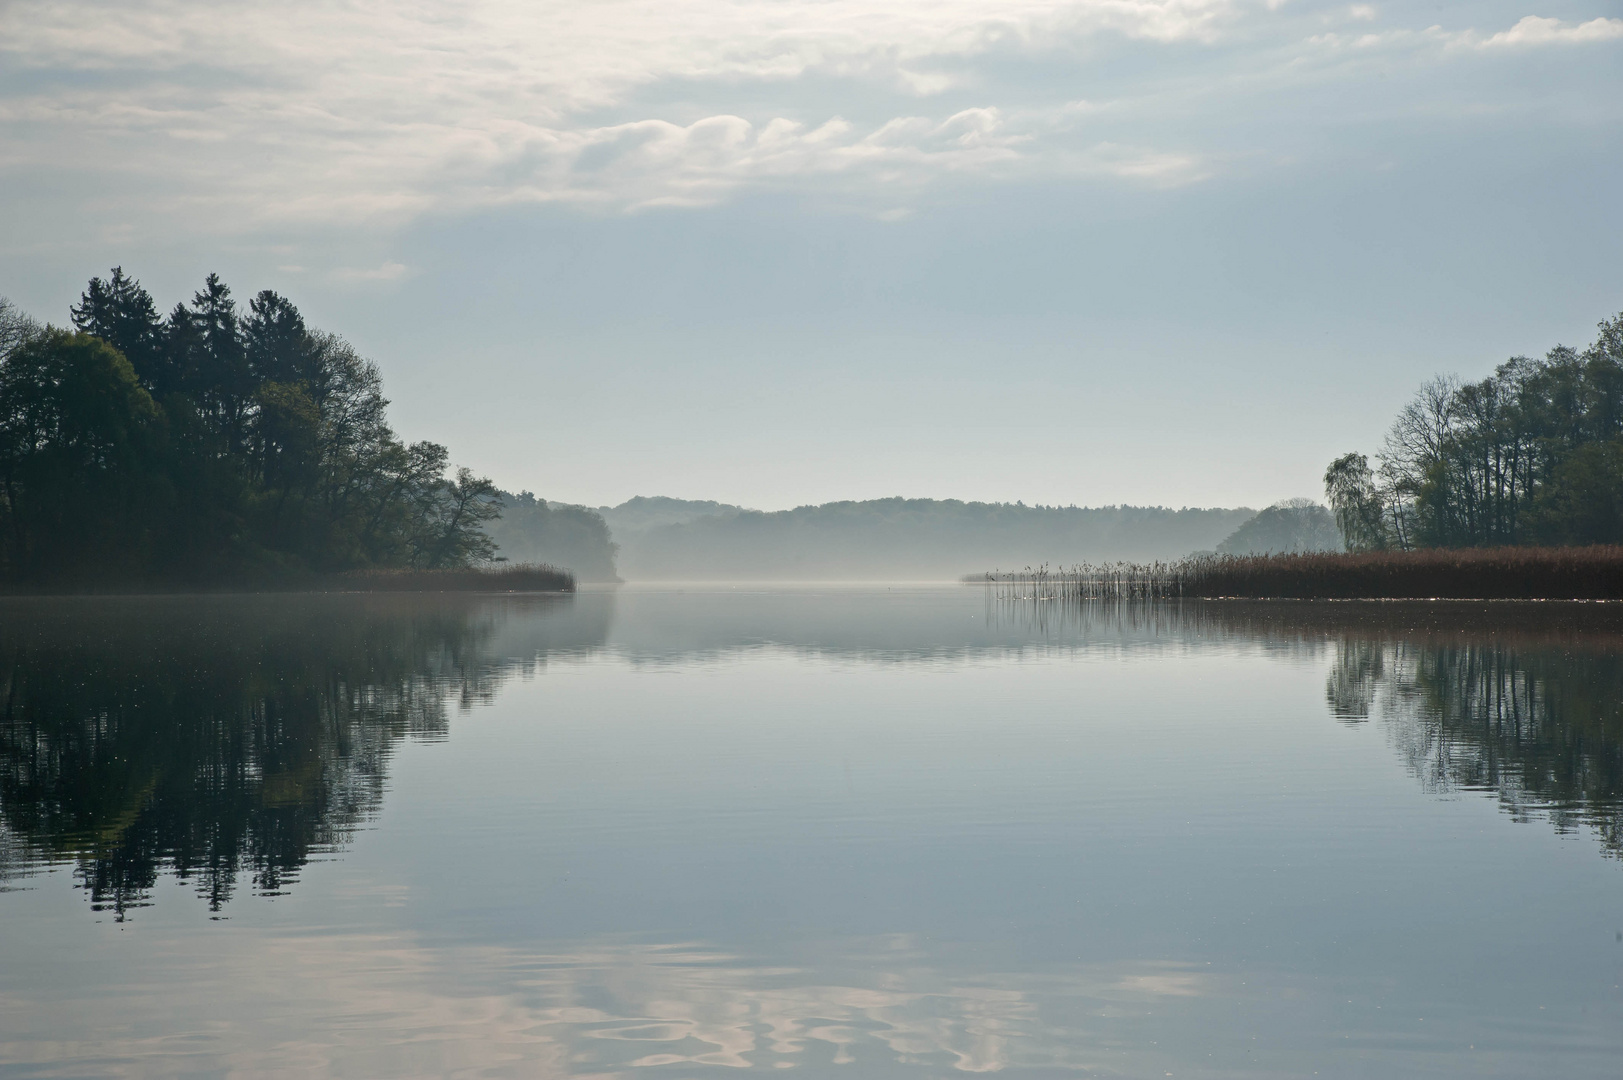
column 777, row 252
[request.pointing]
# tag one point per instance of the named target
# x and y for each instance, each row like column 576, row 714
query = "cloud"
column 242, row 118
column 389, row 271
column 253, row 117
column 1534, row 30
column 1531, row 31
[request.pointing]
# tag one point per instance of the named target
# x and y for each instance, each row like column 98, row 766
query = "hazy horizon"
column 1172, row 252
column 898, row 495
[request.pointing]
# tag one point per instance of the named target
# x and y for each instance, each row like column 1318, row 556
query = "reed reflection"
column 218, row 739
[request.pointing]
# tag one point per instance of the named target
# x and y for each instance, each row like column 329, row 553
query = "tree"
column 277, row 345
column 286, row 430
column 1349, row 487
column 122, row 313
column 1528, row 455
column 1413, row 447
column 238, row 449
column 223, row 380
column 453, row 525
column 77, row 441
column 1582, row 501
column 16, row 328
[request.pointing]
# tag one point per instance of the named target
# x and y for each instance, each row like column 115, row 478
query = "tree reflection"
column 222, row 738
column 226, row 741
column 1539, row 725
column 1524, row 701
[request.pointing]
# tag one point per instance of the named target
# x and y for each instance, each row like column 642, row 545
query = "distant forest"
column 211, row 445
column 895, row 539
column 1288, row 525
column 1531, row 455
column 533, row 530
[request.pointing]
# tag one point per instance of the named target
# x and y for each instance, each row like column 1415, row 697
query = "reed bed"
column 1085, row 581
column 1518, row 573
column 519, row 577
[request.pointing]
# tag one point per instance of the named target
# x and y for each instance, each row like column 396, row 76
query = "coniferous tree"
column 183, row 348
column 277, row 344
column 224, row 381
column 122, row 313
column 249, row 447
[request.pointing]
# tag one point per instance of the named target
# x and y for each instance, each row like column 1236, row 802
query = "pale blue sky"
column 782, row 252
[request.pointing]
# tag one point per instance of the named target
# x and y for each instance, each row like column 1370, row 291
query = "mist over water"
column 876, row 830
column 896, row 539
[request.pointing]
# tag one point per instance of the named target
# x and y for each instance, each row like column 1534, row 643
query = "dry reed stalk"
column 1583, row 573
column 520, row 577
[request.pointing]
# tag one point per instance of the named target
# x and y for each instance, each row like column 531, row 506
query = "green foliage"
column 452, row 530
column 122, row 314
column 1349, row 485
column 211, row 447
column 1582, row 501
column 79, row 437
column 1531, row 455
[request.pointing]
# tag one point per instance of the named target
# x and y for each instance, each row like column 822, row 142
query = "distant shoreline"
column 521, row 578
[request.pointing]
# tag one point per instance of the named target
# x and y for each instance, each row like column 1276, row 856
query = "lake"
column 858, row 831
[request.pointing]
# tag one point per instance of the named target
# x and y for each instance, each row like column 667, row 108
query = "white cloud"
column 1531, row 31
column 372, row 111
column 246, row 117
column 389, row 271
column 1534, row 30
column 567, row 56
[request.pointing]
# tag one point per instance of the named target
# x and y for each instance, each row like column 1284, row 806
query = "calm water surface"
column 860, row 832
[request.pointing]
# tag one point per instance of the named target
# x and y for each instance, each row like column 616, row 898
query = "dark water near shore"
column 858, row 832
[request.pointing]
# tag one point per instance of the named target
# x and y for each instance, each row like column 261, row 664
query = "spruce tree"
column 122, row 313
column 225, row 382
column 278, row 345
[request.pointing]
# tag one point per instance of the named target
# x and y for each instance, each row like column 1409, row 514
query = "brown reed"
column 517, row 577
column 1508, row 573
column 1505, row 573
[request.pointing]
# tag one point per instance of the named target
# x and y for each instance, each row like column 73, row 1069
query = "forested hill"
column 211, row 446
column 911, row 539
column 650, row 512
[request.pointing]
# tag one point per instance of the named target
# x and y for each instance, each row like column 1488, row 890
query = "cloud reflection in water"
column 369, row 1004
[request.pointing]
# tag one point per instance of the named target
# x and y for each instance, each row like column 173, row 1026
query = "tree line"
column 213, row 444
column 903, row 539
column 1531, row 455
